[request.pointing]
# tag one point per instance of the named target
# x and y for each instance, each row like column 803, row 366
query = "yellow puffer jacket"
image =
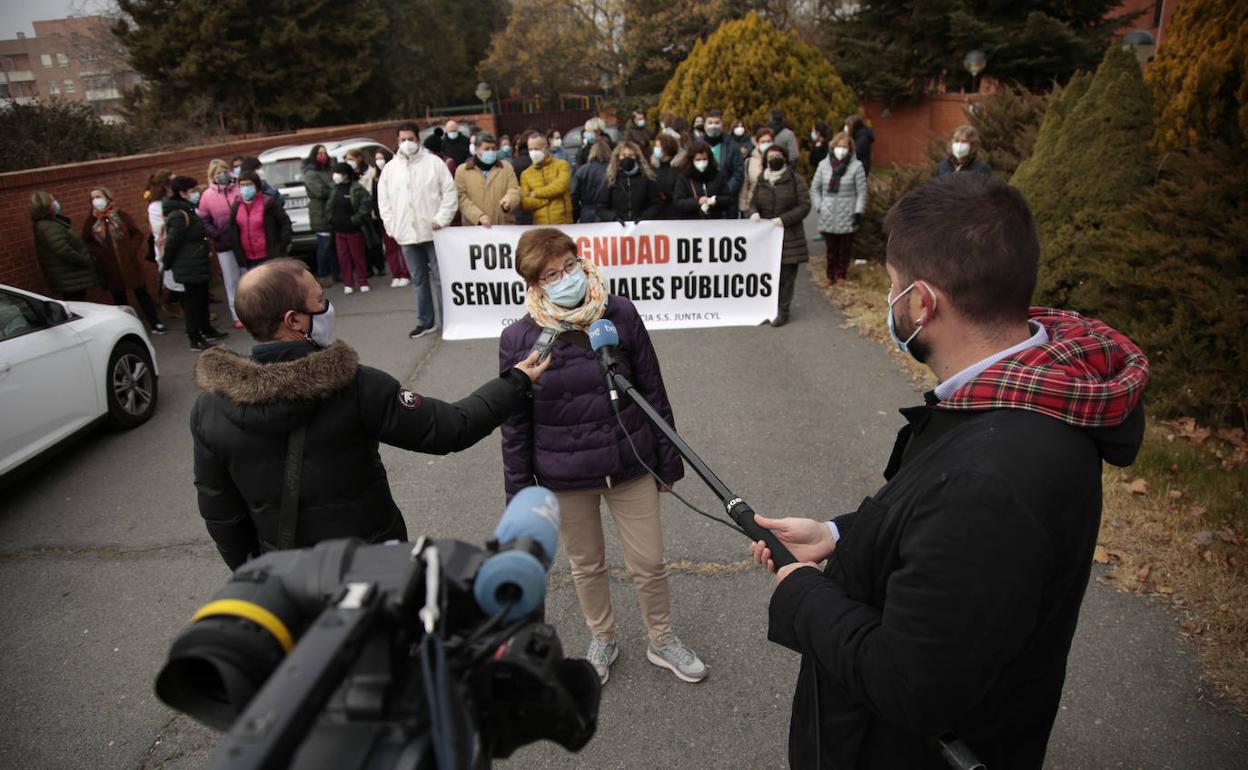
column 546, row 190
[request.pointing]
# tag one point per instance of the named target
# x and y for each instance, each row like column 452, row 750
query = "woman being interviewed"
column 571, row 443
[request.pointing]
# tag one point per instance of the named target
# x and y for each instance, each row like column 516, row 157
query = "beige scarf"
column 549, row 315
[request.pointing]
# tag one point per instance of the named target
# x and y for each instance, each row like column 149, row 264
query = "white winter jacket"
column 414, row 193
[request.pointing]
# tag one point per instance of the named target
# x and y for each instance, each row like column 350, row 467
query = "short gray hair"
column 486, row 136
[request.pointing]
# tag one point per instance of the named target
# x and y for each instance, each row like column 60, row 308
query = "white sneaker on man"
column 347, row 290
column 601, row 655
column 682, row 661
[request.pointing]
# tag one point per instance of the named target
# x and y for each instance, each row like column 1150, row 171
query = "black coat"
column 590, row 198
column 277, row 231
column 864, row 137
column 241, row 422
column 456, row 149
column 186, row 242
column 666, row 177
column 788, row 199
column 691, row 187
column 951, row 598
column 634, row 197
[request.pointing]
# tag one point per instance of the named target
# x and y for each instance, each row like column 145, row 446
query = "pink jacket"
column 214, row 210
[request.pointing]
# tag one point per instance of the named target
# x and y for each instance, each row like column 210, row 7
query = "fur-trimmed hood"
column 246, row 381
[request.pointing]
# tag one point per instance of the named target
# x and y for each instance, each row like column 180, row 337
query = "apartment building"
column 75, row 59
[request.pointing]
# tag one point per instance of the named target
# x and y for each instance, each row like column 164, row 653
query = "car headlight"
column 129, row 310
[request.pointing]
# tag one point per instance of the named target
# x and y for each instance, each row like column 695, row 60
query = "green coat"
column 67, row 265
column 319, row 184
column 788, row 199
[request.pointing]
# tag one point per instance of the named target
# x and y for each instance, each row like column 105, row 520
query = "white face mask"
column 961, row 149
column 354, row 166
column 408, row 147
column 814, row 136
column 339, row 178
column 763, row 146
column 537, row 156
column 739, row 130
column 99, row 203
column 840, row 152
column 701, row 165
column 452, row 134
column 323, row 327
column 381, row 163
column 556, row 142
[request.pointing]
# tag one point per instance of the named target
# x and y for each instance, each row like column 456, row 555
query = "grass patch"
column 1174, row 523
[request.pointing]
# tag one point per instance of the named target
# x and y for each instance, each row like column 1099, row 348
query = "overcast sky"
column 17, row 15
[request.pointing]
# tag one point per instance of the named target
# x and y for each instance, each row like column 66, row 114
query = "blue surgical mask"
column 248, row 192
column 902, row 345
column 568, row 291
column 505, row 151
column 56, row 208
column 195, row 198
column 489, row 157
column 590, row 136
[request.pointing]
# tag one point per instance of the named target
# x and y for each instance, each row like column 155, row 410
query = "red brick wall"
column 902, row 136
column 127, row 179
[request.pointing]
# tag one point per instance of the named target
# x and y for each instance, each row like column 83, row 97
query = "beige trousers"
column 635, row 507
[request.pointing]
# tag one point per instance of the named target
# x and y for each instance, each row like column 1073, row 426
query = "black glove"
column 857, row 221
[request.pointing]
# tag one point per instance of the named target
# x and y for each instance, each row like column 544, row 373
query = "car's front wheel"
column 131, row 385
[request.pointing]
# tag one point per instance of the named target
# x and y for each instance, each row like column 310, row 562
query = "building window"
column 4, row 91
column 62, row 60
column 8, row 63
column 45, row 59
column 54, row 87
column 90, row 58
column 70, row 86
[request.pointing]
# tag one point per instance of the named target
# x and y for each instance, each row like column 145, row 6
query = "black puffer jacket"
column 186, row 242
column 634, row 197
column 242, row 421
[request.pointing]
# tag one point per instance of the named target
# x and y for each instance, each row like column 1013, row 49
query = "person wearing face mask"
column 236, row 166
column 366, row 174
column 632, row 191
column 286, row 440
column 637, row 131
column 455, row 144
column 590, row 198
column 63, row 257
column 863, row 137
column 260, row 230
column 187, row 256
column 784, row 135
column 504, row 147
column 350, row 210
column 593, row 130
column 782, row 197
column 318, row 184
column 963, row 153
column 113, row 240
column 666, row 175
column 253, row 165
column 839, row 194
column 399, row 276
column 997, row 473
column 819, row 135
column 488, row 191
column 700, row 194
column 554, row 139
column 546, row 186
column 699, row 128
column 215, row 211
column 727, row 158
column 741, row 136
column 755, row 164
column 550, row 443
column 415, row 196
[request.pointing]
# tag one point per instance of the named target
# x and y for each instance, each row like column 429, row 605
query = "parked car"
column 65, row 366
column 283, row 168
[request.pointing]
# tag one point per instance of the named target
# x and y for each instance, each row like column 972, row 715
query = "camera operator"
column 950, row 597
column 286, row 440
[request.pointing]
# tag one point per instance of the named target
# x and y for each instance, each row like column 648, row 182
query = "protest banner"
column 680, row 274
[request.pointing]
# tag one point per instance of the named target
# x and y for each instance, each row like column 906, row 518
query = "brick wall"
column 903, row 134
column 127, row 179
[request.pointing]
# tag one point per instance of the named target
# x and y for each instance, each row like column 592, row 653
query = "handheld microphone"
column 527, row 537
column 605, row 341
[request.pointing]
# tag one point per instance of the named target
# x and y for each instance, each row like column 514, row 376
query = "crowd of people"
column 373, row 216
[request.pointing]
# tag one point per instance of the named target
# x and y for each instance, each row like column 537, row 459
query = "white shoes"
column 364, row 288
column 404, row 282
column 347, row 290
column 394, row 283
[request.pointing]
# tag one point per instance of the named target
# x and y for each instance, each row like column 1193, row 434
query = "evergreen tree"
column 894, row 49
column 1200, row 76
column 660, row 34
column 747, row 68
column 280, row 63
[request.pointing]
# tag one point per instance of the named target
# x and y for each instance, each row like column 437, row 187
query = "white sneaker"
column 394, row 283
column 679, row 659
column 405, row 282
column 347, row 290
column 364, row 288
column 601, row 655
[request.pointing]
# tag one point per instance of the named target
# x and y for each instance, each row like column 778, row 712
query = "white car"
column 282, row 167
column 65, row 366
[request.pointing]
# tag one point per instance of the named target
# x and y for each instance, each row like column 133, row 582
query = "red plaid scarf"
column 1087, row 374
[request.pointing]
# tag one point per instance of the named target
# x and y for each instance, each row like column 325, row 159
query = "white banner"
column 680, row 274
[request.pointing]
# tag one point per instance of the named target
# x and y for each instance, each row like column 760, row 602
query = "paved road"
column 104, row 558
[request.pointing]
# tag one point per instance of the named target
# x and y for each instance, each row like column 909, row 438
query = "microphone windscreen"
column 602, row 333
column 532, row 513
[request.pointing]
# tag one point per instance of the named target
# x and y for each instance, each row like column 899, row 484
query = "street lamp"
column 1143, row 44
column 484, row 92
column 974, row 63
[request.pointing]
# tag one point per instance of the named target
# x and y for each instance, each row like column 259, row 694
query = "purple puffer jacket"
column 570, row 439
column 214, row 210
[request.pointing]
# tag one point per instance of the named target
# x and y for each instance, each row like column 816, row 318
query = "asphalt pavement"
column 104, row 558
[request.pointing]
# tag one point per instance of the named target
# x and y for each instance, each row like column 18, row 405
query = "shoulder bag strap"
column 290, row 488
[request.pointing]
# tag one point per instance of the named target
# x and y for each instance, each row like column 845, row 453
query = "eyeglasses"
column 550, row 276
